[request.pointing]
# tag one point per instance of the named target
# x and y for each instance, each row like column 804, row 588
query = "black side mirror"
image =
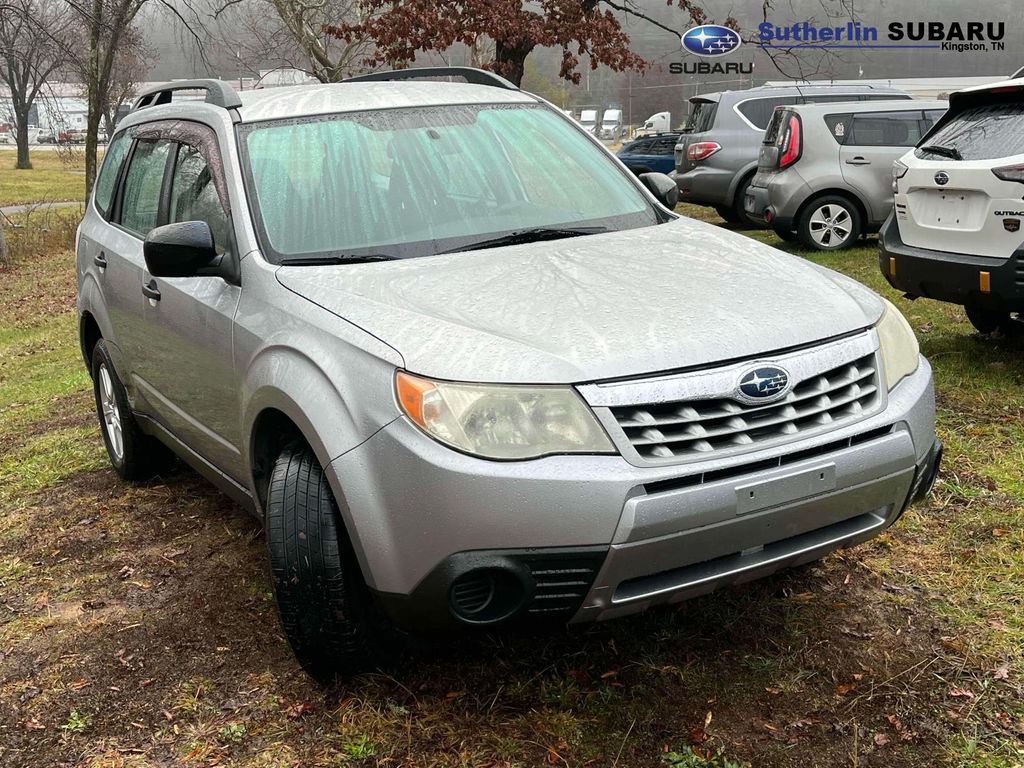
column 185, row 249
column 662, row 187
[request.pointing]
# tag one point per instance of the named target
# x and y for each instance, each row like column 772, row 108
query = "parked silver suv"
column 716, row 156
column 457, row 389
column 825, row 171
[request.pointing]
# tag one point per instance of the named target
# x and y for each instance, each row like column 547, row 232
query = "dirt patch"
column 141, row 627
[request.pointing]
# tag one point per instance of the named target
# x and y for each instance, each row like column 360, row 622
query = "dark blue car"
column 652, row 153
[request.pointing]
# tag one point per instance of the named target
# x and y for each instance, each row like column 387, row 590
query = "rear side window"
column 981, row 133
column 663, row 146
column 107, row 179
column 759, row 111
column 702, row 116
column 140, row 203
column 889, row 129
column 839, row 126
column 194, row 197
column 638, row 147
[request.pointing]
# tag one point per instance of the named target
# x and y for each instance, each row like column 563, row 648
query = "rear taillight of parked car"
column 792, row 142
column 1010, row 173
column 702, row 150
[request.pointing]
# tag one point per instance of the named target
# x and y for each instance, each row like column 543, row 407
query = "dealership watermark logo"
column 946, row 36
column 711, row 40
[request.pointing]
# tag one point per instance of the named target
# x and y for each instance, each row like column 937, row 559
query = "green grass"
column 56, row 175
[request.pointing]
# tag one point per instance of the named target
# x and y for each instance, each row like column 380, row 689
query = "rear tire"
column 321, row 597
column 738, row 205
column 829, row 223
column 727, row 213
column 133, row 454
column 788, row 235
column 987, row 320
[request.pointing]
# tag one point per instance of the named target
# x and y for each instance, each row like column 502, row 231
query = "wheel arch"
column 742, row 175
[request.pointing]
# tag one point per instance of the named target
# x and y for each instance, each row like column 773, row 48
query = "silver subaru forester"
column 467, row 369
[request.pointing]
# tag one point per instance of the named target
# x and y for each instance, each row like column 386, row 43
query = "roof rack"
column 218, row 93
column 469, row 74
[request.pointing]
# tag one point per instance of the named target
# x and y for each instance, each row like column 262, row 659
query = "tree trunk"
column 5, row 256
column 21, row 138
column 510, row 59
column 92, row 120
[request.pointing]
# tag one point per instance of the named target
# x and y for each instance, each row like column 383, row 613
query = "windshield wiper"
column 937, row 149
column 534, row 235
column 319, row 261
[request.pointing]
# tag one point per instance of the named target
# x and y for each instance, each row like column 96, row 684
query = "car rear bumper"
column 705, row 185
column 958, row 278
column 581, row 538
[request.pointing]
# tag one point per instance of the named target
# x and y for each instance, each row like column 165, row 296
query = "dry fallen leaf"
column 881, row 739
column 956, row 690
column 845, row 688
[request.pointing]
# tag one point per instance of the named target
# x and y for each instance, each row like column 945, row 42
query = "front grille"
column 702, row 428
column 1019, row 270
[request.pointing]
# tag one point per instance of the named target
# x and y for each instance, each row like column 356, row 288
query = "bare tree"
column 290, row 34
column 5, row 256
column 130, row 64
column 31, row 49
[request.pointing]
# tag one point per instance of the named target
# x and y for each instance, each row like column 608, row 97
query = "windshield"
column 416, row 182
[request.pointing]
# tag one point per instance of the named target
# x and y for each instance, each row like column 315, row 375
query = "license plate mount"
column 752, row 497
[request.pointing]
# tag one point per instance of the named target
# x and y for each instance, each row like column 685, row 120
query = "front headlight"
column 899, row 345
column 499, row 421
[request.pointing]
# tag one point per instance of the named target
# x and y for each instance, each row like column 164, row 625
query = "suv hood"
column 595, row 307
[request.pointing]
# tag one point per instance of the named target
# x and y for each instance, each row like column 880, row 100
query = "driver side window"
column 194, row 197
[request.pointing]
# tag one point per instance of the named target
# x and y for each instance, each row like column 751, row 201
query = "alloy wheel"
column 111, row 414
column 830, row 225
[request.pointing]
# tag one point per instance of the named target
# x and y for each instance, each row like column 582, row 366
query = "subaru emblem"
column 1011, row 225
column 765, row 383
column 942, row 178
column 711, row 40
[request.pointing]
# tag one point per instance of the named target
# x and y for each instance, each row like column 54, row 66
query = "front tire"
column 829, row 223
column 321, row 598
column 133, row 454
column 987, row 320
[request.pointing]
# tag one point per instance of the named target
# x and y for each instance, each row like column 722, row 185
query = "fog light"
column 486, row 595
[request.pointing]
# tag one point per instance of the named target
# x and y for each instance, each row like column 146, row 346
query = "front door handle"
column 858, row 161
column 100, row 260
column 150, row 291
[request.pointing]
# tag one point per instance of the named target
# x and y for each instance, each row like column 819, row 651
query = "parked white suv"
column 955, row 231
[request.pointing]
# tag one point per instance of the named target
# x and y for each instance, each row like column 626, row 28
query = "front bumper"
column 959, row 278
column 581, row 538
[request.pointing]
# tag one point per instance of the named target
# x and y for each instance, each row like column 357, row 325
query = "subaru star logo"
column 941, row 178
column 711, row 40
column 765, row 383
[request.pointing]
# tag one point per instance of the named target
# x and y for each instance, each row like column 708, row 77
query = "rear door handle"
column 100, row 260
column 858, row 161
column 150, row 291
